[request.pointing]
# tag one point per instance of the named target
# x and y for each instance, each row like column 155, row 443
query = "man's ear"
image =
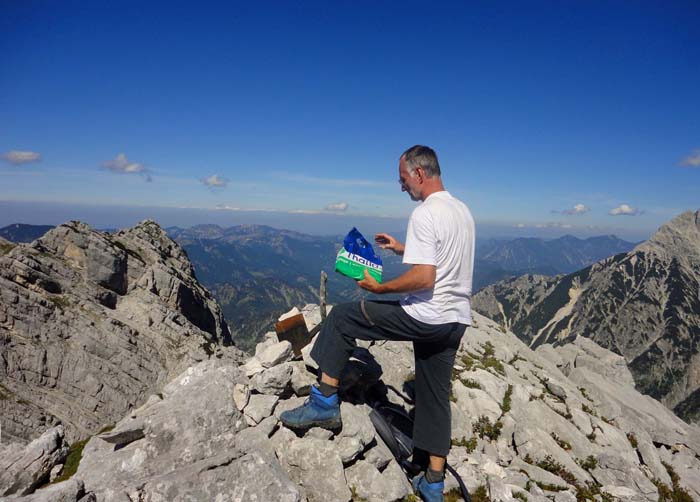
column 421, row 174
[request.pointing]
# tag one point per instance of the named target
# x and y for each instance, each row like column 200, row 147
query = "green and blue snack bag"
column 356, row 256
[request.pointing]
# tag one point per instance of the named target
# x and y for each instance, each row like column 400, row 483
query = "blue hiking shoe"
column 429, row 492
column 317, row 411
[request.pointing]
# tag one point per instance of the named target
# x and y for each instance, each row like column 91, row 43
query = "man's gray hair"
column 422, row 156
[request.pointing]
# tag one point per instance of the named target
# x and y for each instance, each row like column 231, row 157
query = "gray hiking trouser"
column 434, row 345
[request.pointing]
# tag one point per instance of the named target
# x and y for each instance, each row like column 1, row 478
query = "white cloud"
column 17, row 157
column 577, row 209
column 692, row 160
column 624, row 210
column 120, row 164
column 551, row 224
column 215, row 181
column 338, row 207
column 304, row 211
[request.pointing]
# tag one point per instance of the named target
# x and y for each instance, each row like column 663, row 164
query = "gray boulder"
column 23, row 469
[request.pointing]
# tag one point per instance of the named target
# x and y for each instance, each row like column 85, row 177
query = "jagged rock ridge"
column 560, row 424
column 92, row 323
column 644, row 305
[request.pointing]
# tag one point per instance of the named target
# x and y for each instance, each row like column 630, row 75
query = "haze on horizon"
column 549, row 118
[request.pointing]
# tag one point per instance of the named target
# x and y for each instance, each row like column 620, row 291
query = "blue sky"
column 546, row 116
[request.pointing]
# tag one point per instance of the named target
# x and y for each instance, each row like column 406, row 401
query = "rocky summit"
column 558, row 423
column 643, row 305
column 93, row 323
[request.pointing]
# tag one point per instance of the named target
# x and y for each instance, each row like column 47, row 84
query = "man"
column 440, row 249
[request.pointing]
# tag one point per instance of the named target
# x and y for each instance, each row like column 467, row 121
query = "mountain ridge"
column 644, row 304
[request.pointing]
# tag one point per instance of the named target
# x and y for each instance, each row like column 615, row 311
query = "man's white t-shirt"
column 441, row 233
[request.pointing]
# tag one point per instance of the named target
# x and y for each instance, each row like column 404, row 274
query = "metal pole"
column 322, row 295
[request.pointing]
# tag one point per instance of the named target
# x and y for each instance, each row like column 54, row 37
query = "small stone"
column 252, row 367
column 273, row 380
column 302, row 379
column 306, row 354
column 318, row 433
column 241, row 395
column 287, row 315
column 55, row 472
column 556, row 389
column 277, row 353
column 259, row 406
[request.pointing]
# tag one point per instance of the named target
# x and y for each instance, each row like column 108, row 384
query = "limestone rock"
column 302, row 379
column 241, row 395
column 375, row 486
column 316, row 464
column 275, row 354
column 259, row 406
column 103, row 320
column 357, row 431
column 273, row 380
column 22, row 469
column 71, row 490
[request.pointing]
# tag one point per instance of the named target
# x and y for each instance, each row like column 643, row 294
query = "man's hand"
column 386, row 241
column 416, row 278
column 370, row 284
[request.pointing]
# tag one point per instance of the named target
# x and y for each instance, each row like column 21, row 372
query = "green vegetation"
column 411, row 498
column 607, row 420
column 468, row 361
column 521, row 496
column 675, row 493
column 584, row 393
column 588, row 410
column 6, row 247
column 589, row 464
column 589, row 492
column 505, row 405
column 60, row 301
column 562, row 444
column 633, row 440
column 454, row 495
column 551, row 465
column 480, row 495
column 469, row 383
column 470, row 444
column 4, row 393
column 591, row 437
column 485, row 429
column 72, row 461
column 515, row 359
column 551, row 488
column 355, row 496
column 489, row 360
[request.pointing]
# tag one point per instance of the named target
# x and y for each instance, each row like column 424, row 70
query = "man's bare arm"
column 417, row 278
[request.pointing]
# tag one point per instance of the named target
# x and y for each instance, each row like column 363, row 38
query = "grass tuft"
column 70, row 467
column 470, row 444
column 485, row 429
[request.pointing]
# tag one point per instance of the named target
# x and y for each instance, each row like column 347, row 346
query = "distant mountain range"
column 644, row 305
column 21, row 232
column 255, row 271
column 497, row 259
